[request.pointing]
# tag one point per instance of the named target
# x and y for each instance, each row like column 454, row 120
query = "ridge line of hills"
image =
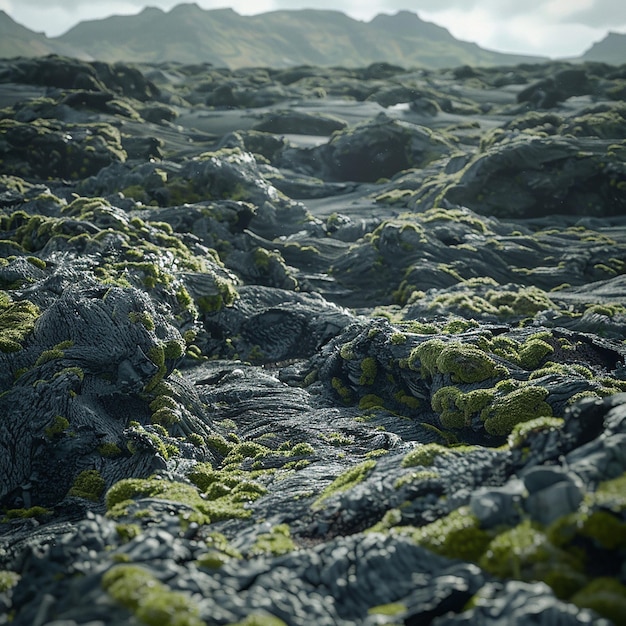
column 285, row 38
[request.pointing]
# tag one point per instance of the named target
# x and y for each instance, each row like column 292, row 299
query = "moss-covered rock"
column 48, row 149
column 345, row 481
column 520, row 405
column 150, row 600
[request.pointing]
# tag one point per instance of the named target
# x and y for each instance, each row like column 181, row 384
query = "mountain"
column 612, row 49
column 17, row 40
column 190, row 34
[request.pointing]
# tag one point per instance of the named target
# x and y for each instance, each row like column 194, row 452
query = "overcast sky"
column 555, row 28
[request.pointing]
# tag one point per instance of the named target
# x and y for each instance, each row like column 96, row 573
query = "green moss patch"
column 464, row 363
column 457, row 535
column 151, row 601
column 519, row 405
column 456, row 407
column 606, row 596
column 224, row 495
column 345, row 481
column 8, row 580
column 89, row 484
column 424, row 455
column 37, row 512
column 274, row 543
column 17, row 320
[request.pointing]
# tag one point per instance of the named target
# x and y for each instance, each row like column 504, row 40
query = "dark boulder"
column 370, row 151
column 549, row 92
column 298, row 122
column 64, row 73
column 524, row 176
column 49, row 149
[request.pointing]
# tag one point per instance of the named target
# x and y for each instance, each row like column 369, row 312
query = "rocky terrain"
column 312, row 346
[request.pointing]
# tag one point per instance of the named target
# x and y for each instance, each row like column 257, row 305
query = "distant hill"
column 612, row 49
column 17, row 40
column 222, row 37
column 190, row 34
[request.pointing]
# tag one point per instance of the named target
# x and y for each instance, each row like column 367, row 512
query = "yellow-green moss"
column 522, row 431
column 130, row 488
column 173, row 350
column 151, row 601
column 302, row 449
column 524, row 552
column 411, row 402
column 49, row 355
column 398, row 339
column 520, row 405
column 274, row 543
column 455, row 407
column 606, row 596
column 226, row 295
column 612, row 493
column 424, row 455
column 455, row 327
column 57, row 425
column 605, row 528
column 219, row 552
column 344, row 392
column 371, row 401
column 345, row 481
column 369, row 369
column 413, row 477
column 246, row 450
column 8, row 580
column 524, row 301
column 143, row 318
column 225, row 488
column 464, row 363
column 423, row 358
column 127, row 532
column 346, row 352
column 17, row 320
column 393, row 608
column 444, row 402
column 457, row 535
column 33, row 511
column 88, row 484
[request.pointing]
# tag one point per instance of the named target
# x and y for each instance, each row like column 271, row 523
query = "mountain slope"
column 612, row 49
column 190, row 34
column 17, row 40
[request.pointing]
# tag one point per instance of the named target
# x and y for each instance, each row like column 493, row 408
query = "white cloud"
column 552, row 29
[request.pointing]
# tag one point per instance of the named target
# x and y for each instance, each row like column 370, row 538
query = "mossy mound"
column 47, row 149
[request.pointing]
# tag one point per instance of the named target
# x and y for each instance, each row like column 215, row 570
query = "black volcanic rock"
column 379, row 148
column 280, row 122
column 64, row 73
column 372, row 375
column 548, row 92
column 48, row 148
column 541, row 176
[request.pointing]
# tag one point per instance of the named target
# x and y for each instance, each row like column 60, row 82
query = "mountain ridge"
column 282, row 38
